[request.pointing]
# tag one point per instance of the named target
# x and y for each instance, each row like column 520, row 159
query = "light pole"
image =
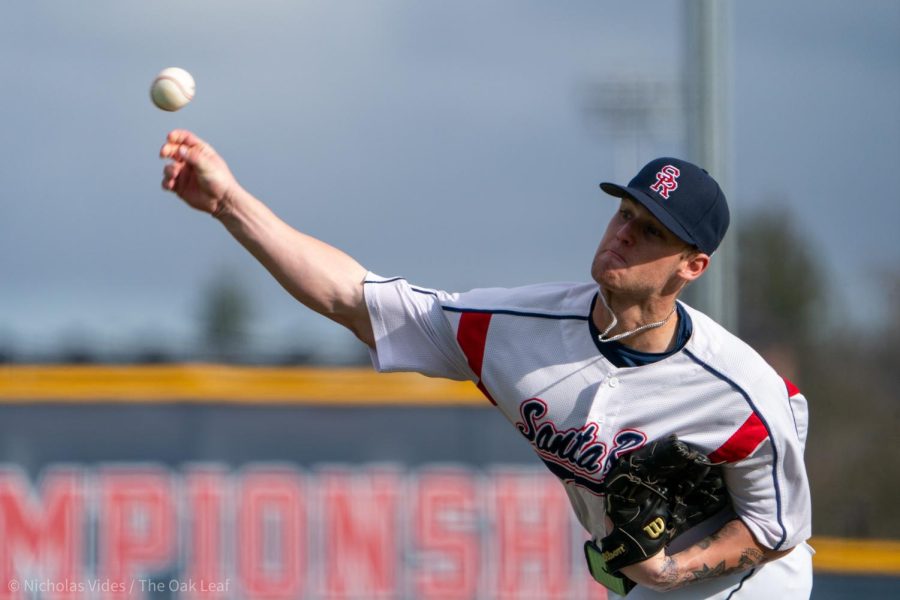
column 708, row 83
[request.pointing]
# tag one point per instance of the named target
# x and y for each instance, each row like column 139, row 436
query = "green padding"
column 597, row 567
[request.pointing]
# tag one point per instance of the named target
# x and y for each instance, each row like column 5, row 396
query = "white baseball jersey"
column 533, row 352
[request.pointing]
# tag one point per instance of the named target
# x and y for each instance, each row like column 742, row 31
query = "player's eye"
column 625, row 214
column 655, row 232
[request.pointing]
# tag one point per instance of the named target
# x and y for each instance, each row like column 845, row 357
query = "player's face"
column 638, row 255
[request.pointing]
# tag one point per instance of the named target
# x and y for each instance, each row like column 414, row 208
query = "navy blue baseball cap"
column 683, row 197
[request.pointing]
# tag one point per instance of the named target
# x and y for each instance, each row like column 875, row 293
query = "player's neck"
column 657, row 317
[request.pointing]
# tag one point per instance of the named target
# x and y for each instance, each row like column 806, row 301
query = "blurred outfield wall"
column 228, row 482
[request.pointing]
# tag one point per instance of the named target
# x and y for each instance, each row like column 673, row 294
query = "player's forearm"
column 322, row 277
column 732, row 549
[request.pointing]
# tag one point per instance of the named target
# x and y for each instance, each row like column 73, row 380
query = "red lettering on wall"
column 47, row 534
column 533, row 537
column 359, row 526
column 136, row 534
column 446, row 534
column 206, row 492
column 272, row 533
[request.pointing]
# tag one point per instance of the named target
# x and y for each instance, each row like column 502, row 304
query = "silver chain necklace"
column 602, row 337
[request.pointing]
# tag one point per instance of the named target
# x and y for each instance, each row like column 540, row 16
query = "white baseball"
column 172, row 89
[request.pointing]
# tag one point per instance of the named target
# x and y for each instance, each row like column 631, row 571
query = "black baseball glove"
column 653, row 495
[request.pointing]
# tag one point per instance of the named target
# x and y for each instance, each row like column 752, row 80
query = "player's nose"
column 625, row 233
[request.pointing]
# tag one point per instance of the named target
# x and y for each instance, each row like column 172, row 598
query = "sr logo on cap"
column 666, row 181
column 696, row 213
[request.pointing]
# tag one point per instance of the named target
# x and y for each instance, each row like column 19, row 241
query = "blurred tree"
column 225, row 314
column 77, row 346
column 849, row 377
column 782, row 286
column 890, row 348
column 861, row 424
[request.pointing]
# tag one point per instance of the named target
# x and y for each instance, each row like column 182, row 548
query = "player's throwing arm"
column 320, row 276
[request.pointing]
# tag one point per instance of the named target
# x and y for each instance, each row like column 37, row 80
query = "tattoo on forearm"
column 674, row 575
column 708, row 541
column 669, row 574
column 750, row 557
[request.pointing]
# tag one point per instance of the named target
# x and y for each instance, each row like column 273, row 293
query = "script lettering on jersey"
column 572, row 454
column 625, row 441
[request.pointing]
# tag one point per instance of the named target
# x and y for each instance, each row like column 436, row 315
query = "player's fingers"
column 179, row 143
column 168, row 183
column 183, row 136
column 200, row 155
column 175, row 151
column 168, row 150
column 169, row 178
column 171, row 173
column 172, row 170
column 181, row 152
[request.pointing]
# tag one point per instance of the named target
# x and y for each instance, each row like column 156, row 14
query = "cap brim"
column 651, row 204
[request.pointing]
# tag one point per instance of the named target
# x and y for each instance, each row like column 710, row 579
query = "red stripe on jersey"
column 744, row 441
column 792, row 389
column 472, row 337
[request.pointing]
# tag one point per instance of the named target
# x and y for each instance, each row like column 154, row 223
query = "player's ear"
column 693, row 264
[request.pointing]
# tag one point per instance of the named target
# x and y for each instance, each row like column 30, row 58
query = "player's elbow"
column 361, row 326
column 351, row 312
column 768, row 555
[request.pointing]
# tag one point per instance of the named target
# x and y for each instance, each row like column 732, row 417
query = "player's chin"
column 604, row 272
column 609, row 282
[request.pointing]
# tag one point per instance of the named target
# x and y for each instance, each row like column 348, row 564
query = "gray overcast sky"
column 446, row 142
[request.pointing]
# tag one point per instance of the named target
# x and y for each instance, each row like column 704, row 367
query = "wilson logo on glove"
column 611, row 554
column 669, row 487
column 655, row 528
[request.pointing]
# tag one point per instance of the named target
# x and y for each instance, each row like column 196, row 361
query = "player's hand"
column 196, row 173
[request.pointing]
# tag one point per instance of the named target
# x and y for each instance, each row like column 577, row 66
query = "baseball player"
column 586, row 372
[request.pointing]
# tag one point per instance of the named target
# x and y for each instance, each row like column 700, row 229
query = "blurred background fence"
column 215, row 481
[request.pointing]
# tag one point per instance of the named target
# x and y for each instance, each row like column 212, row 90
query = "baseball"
column 172, row 89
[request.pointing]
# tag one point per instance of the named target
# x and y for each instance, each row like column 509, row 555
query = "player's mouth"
column 616, row 254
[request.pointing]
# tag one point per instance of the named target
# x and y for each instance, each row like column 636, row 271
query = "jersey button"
column 613, row 381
